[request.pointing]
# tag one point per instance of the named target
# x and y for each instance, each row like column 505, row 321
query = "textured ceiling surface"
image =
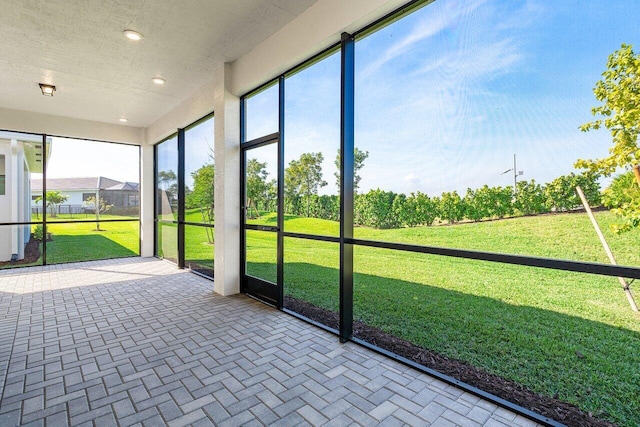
column 78, row 46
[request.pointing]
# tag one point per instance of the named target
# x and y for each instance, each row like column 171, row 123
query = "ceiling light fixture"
column 132, row 35
column 47, row 90
column 158, row 80
column 123, row 120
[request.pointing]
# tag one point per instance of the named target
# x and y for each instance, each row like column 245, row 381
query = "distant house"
column 20, row 156
column 120, row 195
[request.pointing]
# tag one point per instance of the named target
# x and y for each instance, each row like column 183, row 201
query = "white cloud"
column 430, row 26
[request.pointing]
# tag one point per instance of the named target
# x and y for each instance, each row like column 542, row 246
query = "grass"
column 198, row 248
column 80, row 242
column 199, row 243
column 564, row 333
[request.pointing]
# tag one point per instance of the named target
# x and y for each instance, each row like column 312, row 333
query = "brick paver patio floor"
column 139, row 342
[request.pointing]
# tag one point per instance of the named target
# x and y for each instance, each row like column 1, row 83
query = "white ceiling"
column 78, row 46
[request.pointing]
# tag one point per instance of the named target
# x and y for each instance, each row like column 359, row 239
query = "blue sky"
column 446, row 96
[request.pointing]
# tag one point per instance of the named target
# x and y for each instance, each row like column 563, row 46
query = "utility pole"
column 516, row 173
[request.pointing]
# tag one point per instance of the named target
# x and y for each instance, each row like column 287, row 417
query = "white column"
column 227, row 185
column 147, row 232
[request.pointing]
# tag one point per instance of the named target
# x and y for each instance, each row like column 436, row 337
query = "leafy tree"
column 375, row 209
column 619, row 91
column 256, row 182
column 530, row 198
column 623, row 195
column 623, row 189
column 477, row 203
column 202, row 195
column 168, row 183
column 417, row 209
column 53, row 198
column 561, row 192
column 503, row 201
column 271, row 196
column 426, row 208
column 451, row 207
column 98, row 206
column 359, row 157
column 304, row 176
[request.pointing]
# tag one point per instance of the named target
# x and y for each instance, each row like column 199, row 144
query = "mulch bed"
column 31, row 253
column 511, row 391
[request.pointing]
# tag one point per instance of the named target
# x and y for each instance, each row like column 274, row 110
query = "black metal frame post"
column 155, row 200
column 347, row 94
column 44, row 199
column 140, row 201
column 280, row 238
column 242, row 213
column 181, row 202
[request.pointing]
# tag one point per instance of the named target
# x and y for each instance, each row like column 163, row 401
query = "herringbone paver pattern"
column 139, row 342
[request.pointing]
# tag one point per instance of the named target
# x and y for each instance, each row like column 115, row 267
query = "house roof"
column 130, row 186
column 77, row 184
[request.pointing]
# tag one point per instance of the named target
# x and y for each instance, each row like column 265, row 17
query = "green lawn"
column 198, row 245
column 564, row 333
column 198, row 248
column 81, row 242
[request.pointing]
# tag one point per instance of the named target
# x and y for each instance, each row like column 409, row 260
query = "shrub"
column 623, row 190
column 451, row 207
column 375, row 209
column 623, row 198
column 561, row 192
column 530, row 198
column 417, row 209
column 38, row 233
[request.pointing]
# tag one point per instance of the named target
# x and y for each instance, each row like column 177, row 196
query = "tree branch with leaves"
column 53, row 198
column 98, row 206
column 304, row 176
column 619, row 92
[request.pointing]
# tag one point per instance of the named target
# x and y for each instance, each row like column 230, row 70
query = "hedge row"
column 386, row 209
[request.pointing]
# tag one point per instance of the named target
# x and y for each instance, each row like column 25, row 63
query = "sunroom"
column 328, row 213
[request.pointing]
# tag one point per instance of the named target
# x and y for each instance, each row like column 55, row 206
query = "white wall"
column 147, row 209
column 23, row 121
column 5, row 200
column 227, row 187
column 12, row 203
column 75, row 197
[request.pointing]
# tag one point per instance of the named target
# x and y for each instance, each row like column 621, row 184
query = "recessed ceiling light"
column 158, row 80
column 47, row 90
column 123, row 120
column 132, row 35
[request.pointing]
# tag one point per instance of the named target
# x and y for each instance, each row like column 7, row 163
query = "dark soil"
column 31, row 253
column 555, row 409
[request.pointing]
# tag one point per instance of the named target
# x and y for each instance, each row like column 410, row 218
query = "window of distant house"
column 2, row 176
column 87, row 196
